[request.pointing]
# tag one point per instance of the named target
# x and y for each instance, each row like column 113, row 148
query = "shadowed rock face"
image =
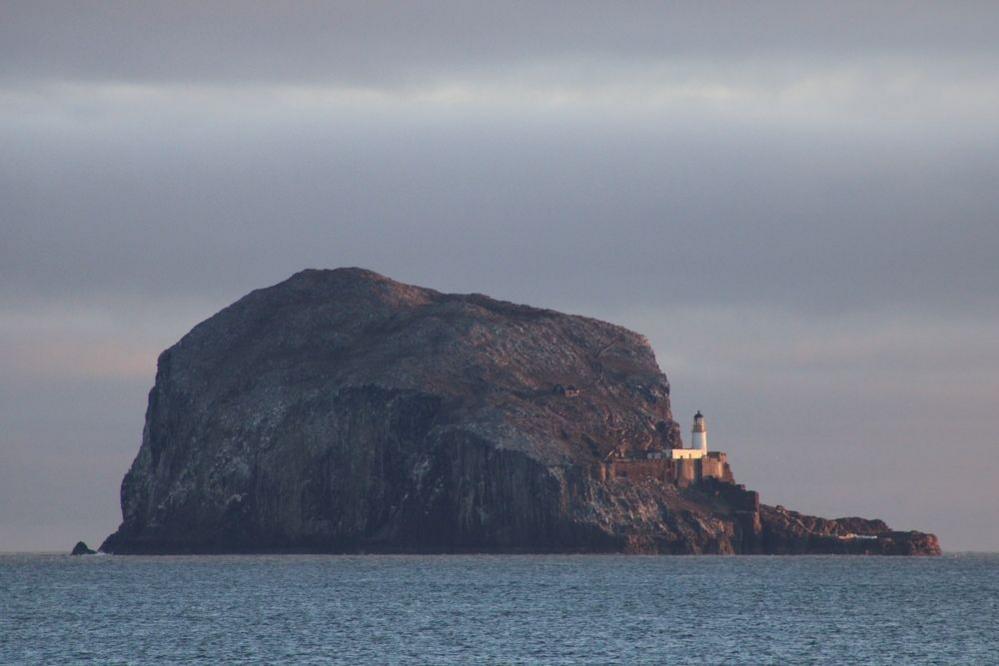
column 343, row 411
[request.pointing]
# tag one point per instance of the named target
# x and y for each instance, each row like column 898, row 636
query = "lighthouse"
column 699, row 434
column 698, row 449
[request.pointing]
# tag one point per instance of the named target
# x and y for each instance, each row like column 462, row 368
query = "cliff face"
column 342, row 411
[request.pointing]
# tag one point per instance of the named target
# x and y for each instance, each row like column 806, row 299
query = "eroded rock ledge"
column 340, row 411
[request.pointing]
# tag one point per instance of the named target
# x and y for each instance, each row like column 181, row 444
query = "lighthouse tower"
column 699, row 434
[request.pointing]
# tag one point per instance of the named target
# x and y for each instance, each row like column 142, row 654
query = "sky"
column 796, row 203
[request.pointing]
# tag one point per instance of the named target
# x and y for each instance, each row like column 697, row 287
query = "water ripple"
column 499, row 609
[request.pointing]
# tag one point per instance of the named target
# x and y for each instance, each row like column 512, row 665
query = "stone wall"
column 715, row 466
column 683, row 472
column 688, row 471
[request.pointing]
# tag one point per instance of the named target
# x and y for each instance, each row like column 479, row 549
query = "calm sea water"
column 499, row 609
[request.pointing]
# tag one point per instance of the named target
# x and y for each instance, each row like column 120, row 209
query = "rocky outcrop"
column 82, row 549
column 789, row 532
column 340, row 411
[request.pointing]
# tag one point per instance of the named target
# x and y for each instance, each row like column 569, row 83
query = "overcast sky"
column 798, row 203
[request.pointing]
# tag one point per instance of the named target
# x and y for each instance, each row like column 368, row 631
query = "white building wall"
column 687, row 454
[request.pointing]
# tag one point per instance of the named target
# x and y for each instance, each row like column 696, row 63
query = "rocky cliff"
column 341, row 411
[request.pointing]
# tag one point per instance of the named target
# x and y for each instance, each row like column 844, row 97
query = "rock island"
column 341, row 411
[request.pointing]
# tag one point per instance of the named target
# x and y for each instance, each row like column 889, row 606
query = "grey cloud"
column 655, row 213
column 796, row 202
column 389, row 42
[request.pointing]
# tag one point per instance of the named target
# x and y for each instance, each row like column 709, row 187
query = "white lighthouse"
column 698, row 442
column 699, row 434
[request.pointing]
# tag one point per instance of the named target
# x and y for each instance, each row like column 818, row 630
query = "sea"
column 491, row 609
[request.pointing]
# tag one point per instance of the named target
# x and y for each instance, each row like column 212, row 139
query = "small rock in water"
column 82, row 549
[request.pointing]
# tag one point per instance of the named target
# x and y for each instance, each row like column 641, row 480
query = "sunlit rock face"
column 340, row 411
